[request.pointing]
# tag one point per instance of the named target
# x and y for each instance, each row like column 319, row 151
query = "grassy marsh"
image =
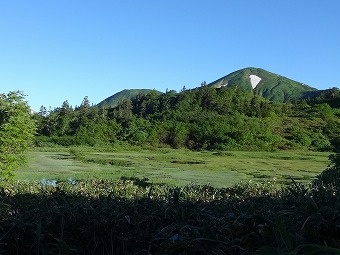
column 178, row 167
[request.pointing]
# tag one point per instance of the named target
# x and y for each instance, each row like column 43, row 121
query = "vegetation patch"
column 118, row 162
column 62, row 156
column 188, row 162
column 261, row 176
column 223, row 153
column 305, row 158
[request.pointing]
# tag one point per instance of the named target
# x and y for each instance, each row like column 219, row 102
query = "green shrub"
column 330, row 176
column 78, row 153
column 64, row 140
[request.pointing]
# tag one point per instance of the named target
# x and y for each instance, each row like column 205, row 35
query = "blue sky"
column 68, row 49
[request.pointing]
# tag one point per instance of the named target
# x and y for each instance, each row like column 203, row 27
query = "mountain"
column 119, row 97
column 266, row 84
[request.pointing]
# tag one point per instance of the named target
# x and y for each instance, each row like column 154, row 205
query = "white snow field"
column 254, row 80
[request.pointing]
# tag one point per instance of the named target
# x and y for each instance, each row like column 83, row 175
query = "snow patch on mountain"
column 254, row 80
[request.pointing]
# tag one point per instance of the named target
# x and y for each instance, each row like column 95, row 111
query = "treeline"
column 204, row 118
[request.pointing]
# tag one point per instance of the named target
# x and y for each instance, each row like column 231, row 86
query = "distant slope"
column 266, row 84
column 119, row 97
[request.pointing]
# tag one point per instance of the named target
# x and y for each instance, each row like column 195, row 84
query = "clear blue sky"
column 67, row 49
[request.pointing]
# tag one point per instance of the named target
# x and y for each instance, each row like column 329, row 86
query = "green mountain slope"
column 271, row 86
column 119, row 97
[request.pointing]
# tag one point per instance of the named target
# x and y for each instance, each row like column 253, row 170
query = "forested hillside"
column 227, row 118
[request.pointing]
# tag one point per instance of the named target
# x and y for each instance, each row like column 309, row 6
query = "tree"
column 66, row 108
column 17, row 129
column 85, row 103
column 330, row 176
column 325, row 111
column 64, row 118
column 43, row 111
column 124, row 110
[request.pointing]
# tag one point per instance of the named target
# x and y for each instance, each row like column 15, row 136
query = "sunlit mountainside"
column 266, row 84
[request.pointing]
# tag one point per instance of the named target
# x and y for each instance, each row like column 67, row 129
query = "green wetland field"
column 173, row 166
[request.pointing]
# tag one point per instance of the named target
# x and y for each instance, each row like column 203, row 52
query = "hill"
column 266, row 84
column 119, row 97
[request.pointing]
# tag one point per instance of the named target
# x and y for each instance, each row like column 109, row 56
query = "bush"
column 64, row 140
column 77, row 153
column 331, row 176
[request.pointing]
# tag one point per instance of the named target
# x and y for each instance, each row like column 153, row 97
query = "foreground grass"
column 132, row 216
column 175, row 167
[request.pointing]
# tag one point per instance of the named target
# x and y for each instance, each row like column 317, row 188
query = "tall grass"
column 134, row 216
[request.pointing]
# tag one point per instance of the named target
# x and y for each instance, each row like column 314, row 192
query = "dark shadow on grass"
column 132, row 216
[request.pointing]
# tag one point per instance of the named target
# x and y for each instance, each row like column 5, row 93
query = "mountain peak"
column 264, row 83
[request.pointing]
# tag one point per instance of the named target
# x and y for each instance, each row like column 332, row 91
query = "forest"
column 201, row 119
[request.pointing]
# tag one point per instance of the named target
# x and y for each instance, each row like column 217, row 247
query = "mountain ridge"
column 271, row 86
